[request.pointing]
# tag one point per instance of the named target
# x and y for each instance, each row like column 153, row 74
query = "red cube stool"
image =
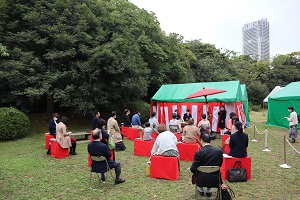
column 154, row 135
column 124, row 130
column 164, row 167
column 178, row 135
column 226, row 147
column 142, row 147
column 56, row 150
column 229, row 161
column 187, row 151
column 47, row 139
column 132, row 133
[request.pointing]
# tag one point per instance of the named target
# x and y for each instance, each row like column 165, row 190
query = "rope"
column 292, row 146
column 259, row 132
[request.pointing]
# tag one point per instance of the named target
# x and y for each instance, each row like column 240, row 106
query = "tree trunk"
column 50, row 105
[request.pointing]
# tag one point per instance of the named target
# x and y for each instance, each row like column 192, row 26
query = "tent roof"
column 244, row 92
column 275, row 89
column 178, row 92
column 289, row 92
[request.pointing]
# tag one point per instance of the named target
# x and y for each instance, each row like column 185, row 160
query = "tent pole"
column 263, row 108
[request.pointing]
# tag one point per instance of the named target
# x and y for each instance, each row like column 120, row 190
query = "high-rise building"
column 256, row 40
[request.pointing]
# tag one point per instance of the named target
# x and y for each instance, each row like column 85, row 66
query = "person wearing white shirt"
column 153, row 122
column 165, row 143
column 293, row 119
column 174, row 121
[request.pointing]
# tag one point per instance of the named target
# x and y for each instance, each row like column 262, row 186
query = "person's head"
column 235, row 118
column 239, row 126
column 113, row 114
column 101, row 123
column 174, row 115
column 191, row 121
column 96, row 135
column 55, row 116
column 97, row 113
column 137, row 112
column 290, row 108
column 176, row 111
column 223, row 107
column 153, row 114
column 161, row 128
column 205, row 139
column 147, row 124
column 187, row 110
column 64, row 120
column 203, row 116
column 127, row 111
column 232, row 114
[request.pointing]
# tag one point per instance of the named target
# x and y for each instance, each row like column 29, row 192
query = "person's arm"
column 52, row 125
column 154, row 148
column 139, row 120
column 247, row 140
column 106, row 153
column 179, row 125
column 231, row 143
column 196, row 163
column 64, row 131
column 116, row 126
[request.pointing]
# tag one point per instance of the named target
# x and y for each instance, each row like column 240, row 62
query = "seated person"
column 127, row 121
column 96, row 148
column 115, row 132
column 63, row 137
column 191, row 132
column 204, row 125
column 147, row 132
column 207, row 156
column 238, row 142
column 174, row 121
column 136, row 120
column 153, row 122
column 177, row 115
column 53, row 123
column 230, row 123
column 165, row 143
column 187, row 115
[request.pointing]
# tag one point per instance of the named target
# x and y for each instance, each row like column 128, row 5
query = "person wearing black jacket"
column 127, row 121
column 238, row 142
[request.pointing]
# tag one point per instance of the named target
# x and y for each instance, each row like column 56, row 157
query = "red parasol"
column 204, row 93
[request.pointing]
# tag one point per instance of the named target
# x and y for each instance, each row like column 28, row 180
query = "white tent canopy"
column 276, row 89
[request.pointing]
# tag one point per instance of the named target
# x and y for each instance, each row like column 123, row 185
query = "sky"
column 220, row 22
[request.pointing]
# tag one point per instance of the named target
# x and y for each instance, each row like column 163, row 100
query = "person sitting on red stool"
column 238, row 142
column 52, row 127
column 63, row 137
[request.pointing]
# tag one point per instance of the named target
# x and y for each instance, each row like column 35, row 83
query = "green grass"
column 26, row 172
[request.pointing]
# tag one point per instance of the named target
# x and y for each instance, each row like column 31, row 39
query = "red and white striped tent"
column 173, row 96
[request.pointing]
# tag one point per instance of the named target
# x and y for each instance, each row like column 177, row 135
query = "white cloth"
column 165, row 141
column 154, row 121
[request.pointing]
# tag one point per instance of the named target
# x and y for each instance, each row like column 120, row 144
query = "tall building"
column 256, row 40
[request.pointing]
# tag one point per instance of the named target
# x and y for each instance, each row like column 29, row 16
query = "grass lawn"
column 26, row 172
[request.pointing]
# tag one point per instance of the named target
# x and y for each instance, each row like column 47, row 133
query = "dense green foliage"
column 14, row 124
column 87, row 54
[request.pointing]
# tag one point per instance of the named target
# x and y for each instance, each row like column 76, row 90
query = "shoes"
column 208, row 194
column 119, row 181
column 102, row 177
column 73, row 153
column 201, row 193
column 293, row 140
column 48, row 152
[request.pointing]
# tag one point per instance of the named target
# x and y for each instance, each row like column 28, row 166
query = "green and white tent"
column 279, row 102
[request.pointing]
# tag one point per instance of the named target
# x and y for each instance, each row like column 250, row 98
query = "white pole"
column 254, row 140
column 266, row 142
column 285, row 166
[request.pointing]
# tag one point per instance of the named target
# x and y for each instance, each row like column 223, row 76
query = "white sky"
column 220, row 22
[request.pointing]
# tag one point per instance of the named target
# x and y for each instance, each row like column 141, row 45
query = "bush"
column 13, row 124
column 255, row 108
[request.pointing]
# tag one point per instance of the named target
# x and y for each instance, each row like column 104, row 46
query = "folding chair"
column 174, row 128
column 99, row 159
column 211, row 173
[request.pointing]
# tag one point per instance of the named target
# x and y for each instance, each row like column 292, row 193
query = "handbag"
column 237, row 174
column 111, row 143
column 227, row 194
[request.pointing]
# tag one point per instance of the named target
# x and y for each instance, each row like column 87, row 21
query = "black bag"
column 227, row 194
column 120, row 146
column 238, row 174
